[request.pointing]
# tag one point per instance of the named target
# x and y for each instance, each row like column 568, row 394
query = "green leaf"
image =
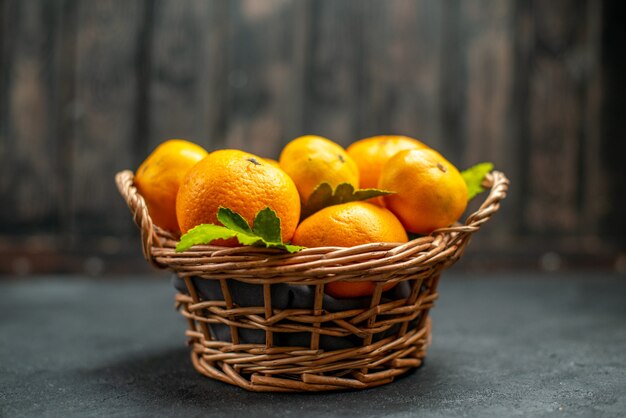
column 266, row 231
column 232, row 220
column 474, row 177
column 364, row 194
column 324, row 196
column 288, row 247
column 320, row 198
column 203, row 234
column 245, row 239
column 267, row 225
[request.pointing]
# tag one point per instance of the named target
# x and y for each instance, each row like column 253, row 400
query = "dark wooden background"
column 90, row 87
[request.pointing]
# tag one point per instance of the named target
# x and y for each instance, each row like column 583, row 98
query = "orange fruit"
column 371, row 154
column 158, row 178
column 239, row 181
column 311, row 160
column 430, row 191
column 272, row 162
column 346, row 225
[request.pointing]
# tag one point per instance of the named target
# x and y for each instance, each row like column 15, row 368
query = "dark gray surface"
column 503, row 345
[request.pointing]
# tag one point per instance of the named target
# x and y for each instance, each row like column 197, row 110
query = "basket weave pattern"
column 267, row 367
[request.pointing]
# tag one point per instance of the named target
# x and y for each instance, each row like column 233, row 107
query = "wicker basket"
column 392, row 329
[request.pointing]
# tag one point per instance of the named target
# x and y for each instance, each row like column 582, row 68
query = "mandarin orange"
column 239, row 181
column 371, row 154
column 311, row 160
column 347, row 225
column 158, row 178
column 430, row 192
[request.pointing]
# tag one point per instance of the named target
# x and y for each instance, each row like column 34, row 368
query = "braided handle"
column 139, row 209
column 498, row 184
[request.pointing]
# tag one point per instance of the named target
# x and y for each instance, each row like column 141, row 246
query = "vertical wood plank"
column 29, row 182
column 523, row 47
column 613, row 221
column 65, row 113
column 8, row 14
column 489, row 62
column 140, row 147
column 593, row 174
column 187, row 78
column 453, row 83
column 294, row 110
column 332, row 93
column 399, row 79
column 556, row 116
column 489, row 116
column 106, row 105
column 260, row 70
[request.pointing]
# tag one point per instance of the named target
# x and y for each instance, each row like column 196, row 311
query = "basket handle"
column 498, row 184
column 139, row 209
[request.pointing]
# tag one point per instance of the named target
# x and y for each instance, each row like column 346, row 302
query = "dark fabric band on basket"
column 286, row 296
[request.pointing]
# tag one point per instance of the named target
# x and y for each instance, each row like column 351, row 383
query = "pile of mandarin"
column 184, row 186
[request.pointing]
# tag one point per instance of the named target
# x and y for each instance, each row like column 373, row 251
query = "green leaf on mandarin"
column 324, row 196
column 474, row 177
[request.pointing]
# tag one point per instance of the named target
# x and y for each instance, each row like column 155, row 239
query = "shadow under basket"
column 259, row 318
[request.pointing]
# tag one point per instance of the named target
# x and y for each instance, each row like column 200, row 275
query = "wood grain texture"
column 331, row 91
column 402, row 46
column 487, row 62
column 105, row 105
column 28, row 162
column 613, row 128
column 89, row 88
column 453, row 84
column 260, row 75
column 556, row 115
column 186, row 75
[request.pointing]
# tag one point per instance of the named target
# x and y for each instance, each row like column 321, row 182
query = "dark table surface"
column 503, row 344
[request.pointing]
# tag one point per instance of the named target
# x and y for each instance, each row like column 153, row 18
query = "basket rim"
column 159, row 245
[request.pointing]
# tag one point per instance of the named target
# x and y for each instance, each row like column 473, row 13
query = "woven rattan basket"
column 392, row 329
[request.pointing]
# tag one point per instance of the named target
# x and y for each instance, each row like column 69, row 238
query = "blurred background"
column 88, row 88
